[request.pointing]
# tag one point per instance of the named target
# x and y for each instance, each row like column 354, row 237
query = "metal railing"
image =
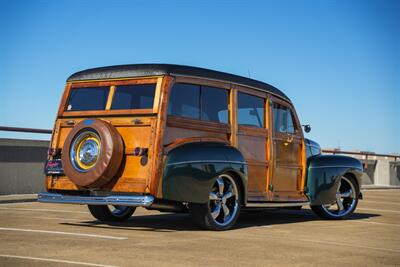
column 25, row 130
column 361, row 153
column 331, row 151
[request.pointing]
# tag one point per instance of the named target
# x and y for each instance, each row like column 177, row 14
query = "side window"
column 139, row 96
column 251, row 110
column 214, row 104
column 199, row 102
column 283, row 119
column 184, row 101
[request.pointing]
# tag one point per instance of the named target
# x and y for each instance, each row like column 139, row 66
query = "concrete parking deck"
column 37, row 234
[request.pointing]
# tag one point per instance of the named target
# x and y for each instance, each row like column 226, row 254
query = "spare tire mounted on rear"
column 92, row 153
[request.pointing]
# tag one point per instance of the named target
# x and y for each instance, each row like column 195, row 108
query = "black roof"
column 142, row 70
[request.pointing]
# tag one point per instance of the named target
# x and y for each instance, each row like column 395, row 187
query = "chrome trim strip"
column 205, row 161
column 133, row 201
column 275, row 205
column 229, row 82
column 334, row 166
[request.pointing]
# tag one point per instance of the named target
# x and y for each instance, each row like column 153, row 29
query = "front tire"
column 106, row 213
column 345, row 204
column 222, row 208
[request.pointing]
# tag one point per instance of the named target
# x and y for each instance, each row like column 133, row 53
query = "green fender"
column 191, row 170
column 323, row 175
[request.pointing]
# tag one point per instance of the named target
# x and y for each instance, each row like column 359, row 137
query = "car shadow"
column 171, row 222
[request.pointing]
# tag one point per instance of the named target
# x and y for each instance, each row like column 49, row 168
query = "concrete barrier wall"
column 21, row 166
column 22, row 161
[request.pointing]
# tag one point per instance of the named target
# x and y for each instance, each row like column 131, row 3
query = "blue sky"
column 339, row 61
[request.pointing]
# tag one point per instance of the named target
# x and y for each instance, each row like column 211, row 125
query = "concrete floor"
column 66, row 235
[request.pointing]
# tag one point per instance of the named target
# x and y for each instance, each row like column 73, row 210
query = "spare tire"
column 92, row 153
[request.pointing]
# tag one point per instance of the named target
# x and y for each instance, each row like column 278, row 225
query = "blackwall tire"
column 106, row 213
column 346, row 201
column 109, row 159
column 222, row 208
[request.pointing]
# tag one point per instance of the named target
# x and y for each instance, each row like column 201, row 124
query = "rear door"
column 131, row 106
column 252, row 140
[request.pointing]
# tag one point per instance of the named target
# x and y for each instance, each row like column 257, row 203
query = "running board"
column 275, row 204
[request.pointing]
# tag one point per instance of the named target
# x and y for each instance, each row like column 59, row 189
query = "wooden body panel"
column 276, row 167
column 288, row 174
column 137, row 128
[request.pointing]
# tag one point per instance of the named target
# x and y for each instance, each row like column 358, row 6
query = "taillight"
column 53, row 152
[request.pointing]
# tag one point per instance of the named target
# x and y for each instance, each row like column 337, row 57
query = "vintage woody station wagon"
column 179, row 138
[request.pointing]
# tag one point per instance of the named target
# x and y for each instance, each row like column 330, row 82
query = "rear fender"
column 324, row 173
column 191, row 169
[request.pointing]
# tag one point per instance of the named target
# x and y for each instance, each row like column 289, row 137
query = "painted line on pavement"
column 394, row 211
column 378, row 223
column 61, row 233
column 380, row 202
column 55, row 260
column 348, row 245
column 51, row 210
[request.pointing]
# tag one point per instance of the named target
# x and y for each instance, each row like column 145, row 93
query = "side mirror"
column 307, row 128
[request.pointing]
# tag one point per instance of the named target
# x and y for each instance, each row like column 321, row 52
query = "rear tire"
column 345, row 204
column 222, row 208
column 111, row 213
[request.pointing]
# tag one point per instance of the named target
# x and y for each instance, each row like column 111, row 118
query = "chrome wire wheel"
column 346, row 199
column 224, row 200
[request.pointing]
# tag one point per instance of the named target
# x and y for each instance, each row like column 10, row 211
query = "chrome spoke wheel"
column 346, row 199
column 224, row 200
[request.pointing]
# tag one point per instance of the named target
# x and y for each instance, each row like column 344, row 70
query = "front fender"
column 323, row 176
column 191, row 169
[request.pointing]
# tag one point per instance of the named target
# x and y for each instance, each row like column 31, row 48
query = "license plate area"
column 53, row 167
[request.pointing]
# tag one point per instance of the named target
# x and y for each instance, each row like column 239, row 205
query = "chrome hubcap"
column 224, row 200
column 85, row 151
column 345, row 199
column 89, row 152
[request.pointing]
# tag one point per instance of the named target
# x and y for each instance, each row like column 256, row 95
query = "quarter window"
column 251, row 110
column 283, row 119
column 138, row 96
column 199, row 102
column 88, row 98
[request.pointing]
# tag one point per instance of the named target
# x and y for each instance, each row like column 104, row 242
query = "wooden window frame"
column 195, row 124
column 252, row 130
column 112, row 85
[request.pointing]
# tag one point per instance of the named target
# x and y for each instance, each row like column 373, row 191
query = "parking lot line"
column 348, row 245
column 381, row 210
column 50, row 210
column 55, row 260
column 378, row 223
column 62, row 233
column 380, row 202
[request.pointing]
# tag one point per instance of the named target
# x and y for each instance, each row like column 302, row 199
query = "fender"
column 323, row 175
column 191, row 169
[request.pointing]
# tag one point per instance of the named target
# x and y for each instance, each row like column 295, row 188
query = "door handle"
column 289, row 140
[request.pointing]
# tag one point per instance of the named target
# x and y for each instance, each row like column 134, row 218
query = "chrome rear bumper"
column 133, row 201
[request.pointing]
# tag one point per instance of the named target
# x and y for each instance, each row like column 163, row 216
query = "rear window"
column 88, row 98
column 138, row 96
